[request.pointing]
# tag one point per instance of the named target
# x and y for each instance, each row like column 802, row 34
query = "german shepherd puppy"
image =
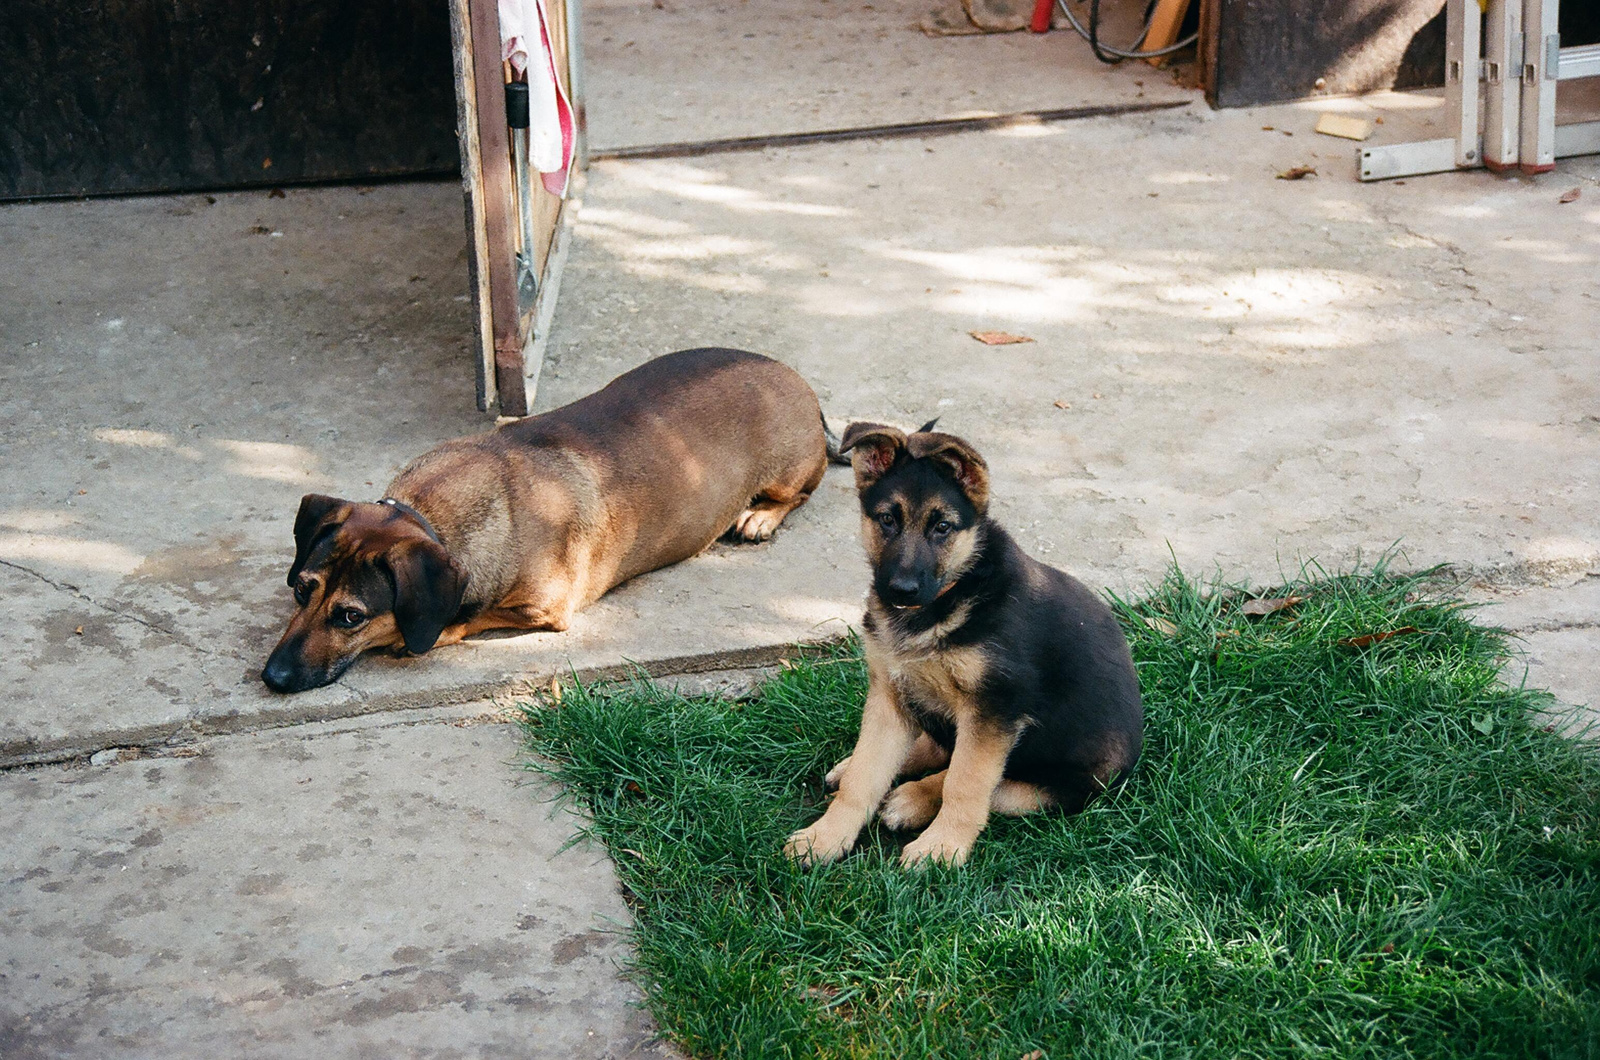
column 1008, row 679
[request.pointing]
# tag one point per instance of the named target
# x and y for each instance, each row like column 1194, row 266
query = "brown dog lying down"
column 1006, row 681
column 521, row 527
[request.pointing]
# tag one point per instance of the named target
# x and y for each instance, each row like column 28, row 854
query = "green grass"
column 1327, row 850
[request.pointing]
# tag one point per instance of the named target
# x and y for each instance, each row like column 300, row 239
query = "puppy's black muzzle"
column 908, row 586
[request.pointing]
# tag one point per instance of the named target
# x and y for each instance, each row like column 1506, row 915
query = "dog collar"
column 406, row 509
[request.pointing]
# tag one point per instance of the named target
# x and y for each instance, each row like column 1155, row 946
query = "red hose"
column 1042, row 10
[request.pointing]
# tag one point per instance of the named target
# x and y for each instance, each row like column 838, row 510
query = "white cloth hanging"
column 552, row 133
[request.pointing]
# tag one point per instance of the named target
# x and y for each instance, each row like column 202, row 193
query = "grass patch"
column 1327, row 850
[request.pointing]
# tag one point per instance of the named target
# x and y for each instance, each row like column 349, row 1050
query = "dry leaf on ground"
column 1063, row 404
column 1298, row 173
column 1571, row 195
column 998, row 338
column 1161, row 625
column 1268, row 606
column 1373, row 638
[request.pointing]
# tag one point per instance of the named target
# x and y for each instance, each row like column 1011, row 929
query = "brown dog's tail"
column 832, row 442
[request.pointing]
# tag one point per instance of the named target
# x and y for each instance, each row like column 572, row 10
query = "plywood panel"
column 1268, row 51
column 123, row 96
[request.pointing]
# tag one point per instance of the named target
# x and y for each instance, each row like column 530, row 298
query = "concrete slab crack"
column 1553, row 627
column 78, row 594
column 368, row 703
column 1457, row 256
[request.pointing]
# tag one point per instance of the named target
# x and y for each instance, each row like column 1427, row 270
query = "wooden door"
column 511, row 314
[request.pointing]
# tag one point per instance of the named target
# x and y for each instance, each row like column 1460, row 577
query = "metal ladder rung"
column 1581, row 138
column 1579, row 62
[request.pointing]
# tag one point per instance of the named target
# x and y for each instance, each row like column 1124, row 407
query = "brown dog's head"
column 364, row 576
column 924, row 497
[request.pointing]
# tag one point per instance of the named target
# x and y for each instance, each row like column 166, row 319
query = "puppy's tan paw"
column 836, row 774
column 820, row 843
column 935, row 845
column 912, row 805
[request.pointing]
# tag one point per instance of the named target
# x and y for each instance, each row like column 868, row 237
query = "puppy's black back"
column 1058, row 666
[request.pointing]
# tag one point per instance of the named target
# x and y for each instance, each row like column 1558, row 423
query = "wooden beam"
column 1210, row 34
column 1165, row 23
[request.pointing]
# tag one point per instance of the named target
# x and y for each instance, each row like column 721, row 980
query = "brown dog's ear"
column 428, row 586
column 315, row 518
column 969, row 469
column 876, row 448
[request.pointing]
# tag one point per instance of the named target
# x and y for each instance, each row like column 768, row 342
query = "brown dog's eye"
column 943, row 526
column 348, row 618
column 886, row 520
column 302, row 593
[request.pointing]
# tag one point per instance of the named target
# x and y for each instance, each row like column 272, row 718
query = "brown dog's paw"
column 759, row 521
column 913, row 804
column 836, row 774
column 756, row 524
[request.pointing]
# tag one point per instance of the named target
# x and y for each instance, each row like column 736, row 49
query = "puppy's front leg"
column 925, row 756
column 976, row 767
column 886, row 737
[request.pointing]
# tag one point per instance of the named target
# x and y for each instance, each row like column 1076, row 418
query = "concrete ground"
column 388, row 890
column 662, row 71
column 1236, row 370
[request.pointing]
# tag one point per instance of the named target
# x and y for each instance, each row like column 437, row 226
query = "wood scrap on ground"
column 998, row 338
column 1344, row 126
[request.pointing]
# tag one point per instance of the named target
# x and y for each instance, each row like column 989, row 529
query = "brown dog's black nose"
column 278, row 674
column 287, row 669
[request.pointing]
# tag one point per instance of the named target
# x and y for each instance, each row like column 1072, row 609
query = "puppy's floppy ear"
column 319, row 515
column 962, row 461
column 875, row 447
column 428, row 586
